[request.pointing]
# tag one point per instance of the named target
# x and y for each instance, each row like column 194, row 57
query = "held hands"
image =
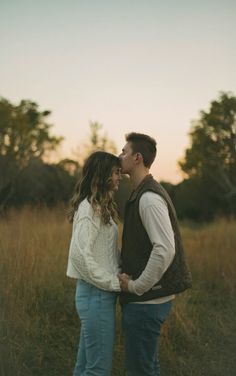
column 124, row 281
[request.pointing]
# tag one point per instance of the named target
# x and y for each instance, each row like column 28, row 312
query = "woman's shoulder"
column 85, row 210
column 84, row 205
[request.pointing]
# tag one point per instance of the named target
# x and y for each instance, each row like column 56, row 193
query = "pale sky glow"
column 136, row 65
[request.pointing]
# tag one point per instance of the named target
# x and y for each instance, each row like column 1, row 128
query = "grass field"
column 39, row 328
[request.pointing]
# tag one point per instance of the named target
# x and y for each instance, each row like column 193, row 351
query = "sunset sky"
column 144, row 65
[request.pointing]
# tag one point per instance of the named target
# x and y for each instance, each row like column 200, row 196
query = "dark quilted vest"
column 136, row 248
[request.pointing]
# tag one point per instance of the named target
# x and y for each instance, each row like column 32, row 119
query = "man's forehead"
column 127, row 146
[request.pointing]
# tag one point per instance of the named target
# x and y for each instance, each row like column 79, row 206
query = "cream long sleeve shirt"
column 93, row 252
column 155, row 218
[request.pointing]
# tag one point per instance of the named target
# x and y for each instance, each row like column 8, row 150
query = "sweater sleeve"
column 86, row 232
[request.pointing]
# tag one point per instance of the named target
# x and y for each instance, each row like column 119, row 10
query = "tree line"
column 27, row 177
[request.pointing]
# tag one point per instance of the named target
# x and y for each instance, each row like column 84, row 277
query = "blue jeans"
column 96, row 309
column 141, row 325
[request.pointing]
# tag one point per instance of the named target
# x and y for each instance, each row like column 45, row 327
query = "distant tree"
column 212, row 153
column 192, row 200
column 100, row 142
column 24, row 132
column 24, row 136
column 96, row 141
column 70, row 166
column 210, row 161
column 42, row 183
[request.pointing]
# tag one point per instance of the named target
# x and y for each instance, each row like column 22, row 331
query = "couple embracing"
column 146, row 274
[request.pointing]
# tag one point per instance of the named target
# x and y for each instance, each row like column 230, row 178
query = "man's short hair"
column 143, row 144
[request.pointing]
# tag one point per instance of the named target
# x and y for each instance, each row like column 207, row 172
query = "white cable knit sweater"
column 93, row 253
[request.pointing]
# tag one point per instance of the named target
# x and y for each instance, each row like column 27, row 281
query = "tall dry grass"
column 39, row 325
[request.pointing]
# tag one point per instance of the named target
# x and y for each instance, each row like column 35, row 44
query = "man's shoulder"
column 149, row 198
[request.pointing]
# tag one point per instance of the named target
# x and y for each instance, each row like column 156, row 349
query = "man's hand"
column 124, row 280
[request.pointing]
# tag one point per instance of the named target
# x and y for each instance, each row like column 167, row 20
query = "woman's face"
column 115, row 178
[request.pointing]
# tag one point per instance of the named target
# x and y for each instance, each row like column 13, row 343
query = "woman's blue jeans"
column 141, row 325
column 96, row 309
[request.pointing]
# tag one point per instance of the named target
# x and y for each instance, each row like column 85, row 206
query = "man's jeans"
column 141, row 328
column 96, row 309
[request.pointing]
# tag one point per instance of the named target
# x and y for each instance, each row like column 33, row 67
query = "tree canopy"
column 24, row 131
column 212, row 152
column 25, row 137
column 210, row 160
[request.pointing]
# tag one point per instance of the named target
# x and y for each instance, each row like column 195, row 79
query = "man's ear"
column 139, row 157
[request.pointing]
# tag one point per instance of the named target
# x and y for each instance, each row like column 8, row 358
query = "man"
column 152, row 256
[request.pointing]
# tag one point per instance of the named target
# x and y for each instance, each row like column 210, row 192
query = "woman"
column 93, row 260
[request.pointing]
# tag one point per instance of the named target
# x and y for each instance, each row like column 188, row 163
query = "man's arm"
column 155, row 218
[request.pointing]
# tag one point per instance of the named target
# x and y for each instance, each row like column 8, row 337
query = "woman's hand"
column 124, row 281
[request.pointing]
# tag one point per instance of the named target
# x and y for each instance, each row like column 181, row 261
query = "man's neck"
column 137, row 176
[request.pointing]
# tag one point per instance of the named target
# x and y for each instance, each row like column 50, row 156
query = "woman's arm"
column 85, row 234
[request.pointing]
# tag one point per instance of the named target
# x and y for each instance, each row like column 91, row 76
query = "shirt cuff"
column 131, row 288
column 116, row 285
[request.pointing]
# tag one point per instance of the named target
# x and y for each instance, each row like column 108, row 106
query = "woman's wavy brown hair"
column 96, row 186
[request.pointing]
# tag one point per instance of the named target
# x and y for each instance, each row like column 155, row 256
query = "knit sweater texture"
column 93, row 252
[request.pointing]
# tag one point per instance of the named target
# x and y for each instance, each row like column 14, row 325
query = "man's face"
column 127, row 159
